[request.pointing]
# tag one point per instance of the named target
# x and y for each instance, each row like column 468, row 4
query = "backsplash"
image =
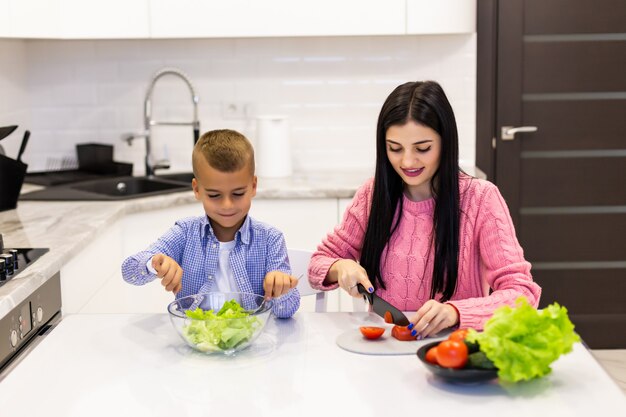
column 331, row 89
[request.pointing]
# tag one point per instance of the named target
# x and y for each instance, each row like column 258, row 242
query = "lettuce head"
column 522, row 342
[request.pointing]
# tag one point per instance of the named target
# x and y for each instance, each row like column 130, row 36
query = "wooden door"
column 560, row 66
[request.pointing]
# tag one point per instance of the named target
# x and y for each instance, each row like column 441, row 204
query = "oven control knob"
column 39, row 314
column 13, row 338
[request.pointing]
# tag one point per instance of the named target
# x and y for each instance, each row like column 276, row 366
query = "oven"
column 25, row 325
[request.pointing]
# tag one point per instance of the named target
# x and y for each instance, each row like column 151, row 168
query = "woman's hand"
column 432, row 318
column 169, row 271
column 348, row 273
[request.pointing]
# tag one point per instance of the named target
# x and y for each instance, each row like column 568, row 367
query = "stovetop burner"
column 14, row 261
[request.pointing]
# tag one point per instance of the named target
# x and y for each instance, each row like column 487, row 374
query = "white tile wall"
column 331, row 88
column 13, row 94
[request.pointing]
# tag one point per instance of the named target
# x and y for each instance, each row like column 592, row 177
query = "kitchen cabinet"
column 111, row 19
column 249, row 18
column 87, row 272
column 76, row 19
column 440, row 17
column 144, row 19
column 33, row 18
column 4, row 19
column 304, row 222
column 92, row 282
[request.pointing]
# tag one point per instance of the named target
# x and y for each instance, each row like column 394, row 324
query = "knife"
column 382, row 307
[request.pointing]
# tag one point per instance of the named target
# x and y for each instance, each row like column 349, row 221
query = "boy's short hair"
column 225, row 150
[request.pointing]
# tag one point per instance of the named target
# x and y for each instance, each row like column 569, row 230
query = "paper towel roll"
column 273, row 150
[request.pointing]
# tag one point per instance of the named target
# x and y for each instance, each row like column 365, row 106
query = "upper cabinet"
column 143, row 19
column 4, row 18
column 430, row 17
column 110, row 19
column 77, row 19
column 33, row 18
column 249, row 18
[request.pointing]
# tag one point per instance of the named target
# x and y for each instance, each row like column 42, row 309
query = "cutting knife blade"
column 381, row 307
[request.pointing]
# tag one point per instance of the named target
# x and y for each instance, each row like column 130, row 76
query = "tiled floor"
column 614, row 361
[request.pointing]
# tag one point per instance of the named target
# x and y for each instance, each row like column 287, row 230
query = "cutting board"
column 353, row 341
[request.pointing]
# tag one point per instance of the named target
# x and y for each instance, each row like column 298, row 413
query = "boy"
column 225, row 250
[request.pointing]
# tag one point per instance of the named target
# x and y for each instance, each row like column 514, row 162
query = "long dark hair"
column 426, row 104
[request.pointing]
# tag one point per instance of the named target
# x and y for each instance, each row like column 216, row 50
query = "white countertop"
column 136, row 365
column 67, row 227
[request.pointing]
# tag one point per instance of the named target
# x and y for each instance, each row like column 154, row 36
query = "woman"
column 422, row 234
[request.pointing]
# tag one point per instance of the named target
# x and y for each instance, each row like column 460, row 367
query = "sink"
column 119, row 188
column 184, row 177
column 131, row 186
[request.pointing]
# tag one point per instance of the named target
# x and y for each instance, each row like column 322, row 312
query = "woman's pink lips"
column 412, row 173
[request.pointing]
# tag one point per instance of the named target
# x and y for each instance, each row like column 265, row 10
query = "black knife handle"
column 365, row 293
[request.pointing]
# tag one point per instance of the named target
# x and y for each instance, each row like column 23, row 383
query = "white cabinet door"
column 34, row 18
column 5, row 30
column 137, row 232
column 80, row 19
column 304, row 222
column 440, row 16
column 248, row 18
column 90, row 269
column 77, row 19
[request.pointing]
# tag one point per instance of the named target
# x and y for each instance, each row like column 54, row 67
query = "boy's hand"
column 169, row 271
column 278, row 283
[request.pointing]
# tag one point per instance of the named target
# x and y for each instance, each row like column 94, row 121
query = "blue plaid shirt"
column 259, row 249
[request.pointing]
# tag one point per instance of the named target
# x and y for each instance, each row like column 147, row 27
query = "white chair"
column 299, row 260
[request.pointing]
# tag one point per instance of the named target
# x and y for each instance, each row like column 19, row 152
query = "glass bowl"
column 211, row 330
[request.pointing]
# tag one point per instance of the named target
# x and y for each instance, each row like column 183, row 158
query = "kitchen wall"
column 13, row 94
column 331, row 88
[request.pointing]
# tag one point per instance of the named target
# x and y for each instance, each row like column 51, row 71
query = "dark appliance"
column 25, row 325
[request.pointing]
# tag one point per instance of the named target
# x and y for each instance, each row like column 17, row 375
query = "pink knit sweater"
column 489, row 254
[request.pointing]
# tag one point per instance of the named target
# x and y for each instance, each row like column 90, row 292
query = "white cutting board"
column 353, row 341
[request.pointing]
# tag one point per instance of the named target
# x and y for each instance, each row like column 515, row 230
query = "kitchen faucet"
column 149, row 122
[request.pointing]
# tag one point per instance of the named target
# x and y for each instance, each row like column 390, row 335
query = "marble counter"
column 67, row 227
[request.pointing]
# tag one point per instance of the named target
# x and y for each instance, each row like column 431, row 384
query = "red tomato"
column 431, row 355
column 402, row 333
column 459, row 335
column 388, row 317
column 372, row 332
column 452, row 354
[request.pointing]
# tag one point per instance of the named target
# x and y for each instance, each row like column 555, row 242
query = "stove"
column 34, row 317
column 14, row 261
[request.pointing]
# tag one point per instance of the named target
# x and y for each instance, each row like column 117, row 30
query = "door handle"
column 508, row 132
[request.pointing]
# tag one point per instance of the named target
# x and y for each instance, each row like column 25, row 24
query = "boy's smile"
column 225, row 196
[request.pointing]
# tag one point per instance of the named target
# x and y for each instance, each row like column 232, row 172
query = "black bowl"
column 455, row 375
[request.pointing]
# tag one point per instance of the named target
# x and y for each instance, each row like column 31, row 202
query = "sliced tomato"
column 452, row 354
column 402, row 333
column 388, row 317
column 431, row 355
column 371, row 332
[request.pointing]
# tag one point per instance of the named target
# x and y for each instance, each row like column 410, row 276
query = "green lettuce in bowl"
column 522, row 341
column 219, row 322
